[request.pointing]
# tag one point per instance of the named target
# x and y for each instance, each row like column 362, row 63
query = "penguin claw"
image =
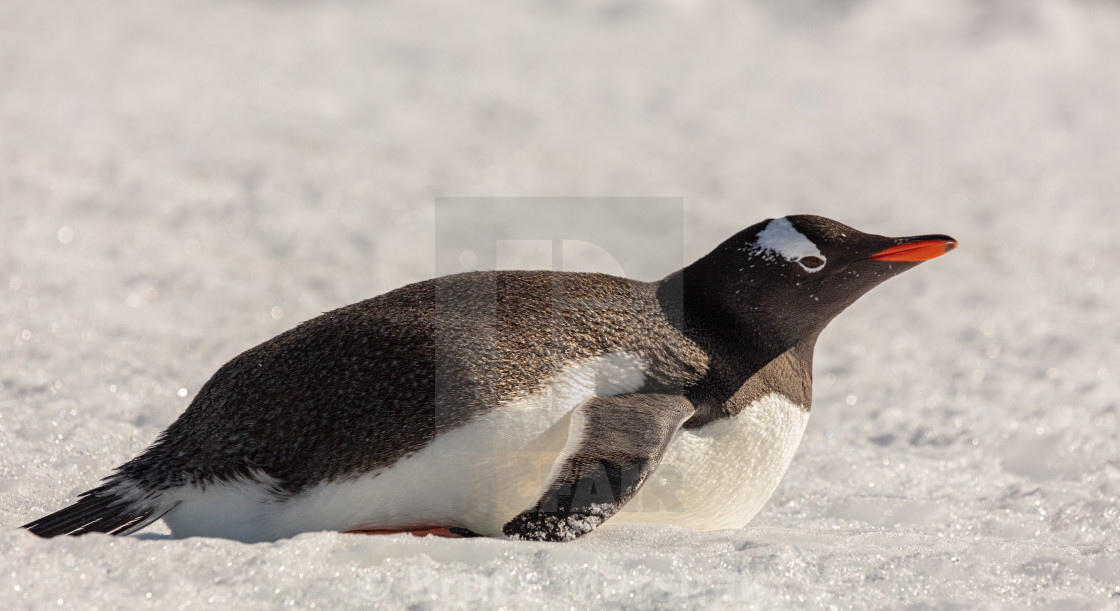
column 543, row 526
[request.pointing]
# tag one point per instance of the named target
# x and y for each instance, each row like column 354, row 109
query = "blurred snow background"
column 181, row 180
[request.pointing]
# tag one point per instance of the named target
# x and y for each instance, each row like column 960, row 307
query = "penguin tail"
column 101, row 510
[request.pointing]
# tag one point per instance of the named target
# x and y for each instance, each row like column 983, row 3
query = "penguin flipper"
column 614, row 443
column 98, row 510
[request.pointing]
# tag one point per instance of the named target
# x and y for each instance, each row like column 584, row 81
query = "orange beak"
column 920, row 249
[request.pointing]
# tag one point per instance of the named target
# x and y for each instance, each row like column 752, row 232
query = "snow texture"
column 181, row 180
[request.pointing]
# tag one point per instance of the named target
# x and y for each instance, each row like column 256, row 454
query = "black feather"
column 99, row 510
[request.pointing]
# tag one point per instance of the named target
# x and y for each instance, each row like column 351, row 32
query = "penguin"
column 534, row 405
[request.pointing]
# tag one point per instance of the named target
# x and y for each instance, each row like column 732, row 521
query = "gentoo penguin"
column 531, row 404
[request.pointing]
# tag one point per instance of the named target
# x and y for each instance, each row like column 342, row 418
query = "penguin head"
column 792, row 275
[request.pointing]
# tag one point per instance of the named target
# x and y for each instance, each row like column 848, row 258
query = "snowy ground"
column 182, row 180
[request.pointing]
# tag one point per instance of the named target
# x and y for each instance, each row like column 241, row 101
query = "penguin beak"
column 918, row 248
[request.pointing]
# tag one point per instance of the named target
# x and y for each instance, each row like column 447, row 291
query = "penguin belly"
column 720, row 475
column 477, row 476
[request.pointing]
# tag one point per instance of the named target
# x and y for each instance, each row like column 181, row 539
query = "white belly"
column 477, row 476
column 482, row 474
column 720, row 476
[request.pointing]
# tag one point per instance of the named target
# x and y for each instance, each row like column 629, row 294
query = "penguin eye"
column 811, row 262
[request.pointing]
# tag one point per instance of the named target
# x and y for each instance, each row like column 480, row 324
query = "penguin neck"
column 750, row 355
column 732, row 323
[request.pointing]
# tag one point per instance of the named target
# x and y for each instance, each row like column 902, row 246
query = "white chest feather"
column 721, row 475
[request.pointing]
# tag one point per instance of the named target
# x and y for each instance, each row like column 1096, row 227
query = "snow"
column 180, row 181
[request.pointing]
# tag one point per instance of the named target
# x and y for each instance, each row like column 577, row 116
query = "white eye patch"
column 780, row 239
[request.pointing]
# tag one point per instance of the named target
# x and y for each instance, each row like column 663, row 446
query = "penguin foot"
column 544, row 526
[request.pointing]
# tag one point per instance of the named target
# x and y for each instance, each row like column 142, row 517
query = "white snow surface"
column 182, row 180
